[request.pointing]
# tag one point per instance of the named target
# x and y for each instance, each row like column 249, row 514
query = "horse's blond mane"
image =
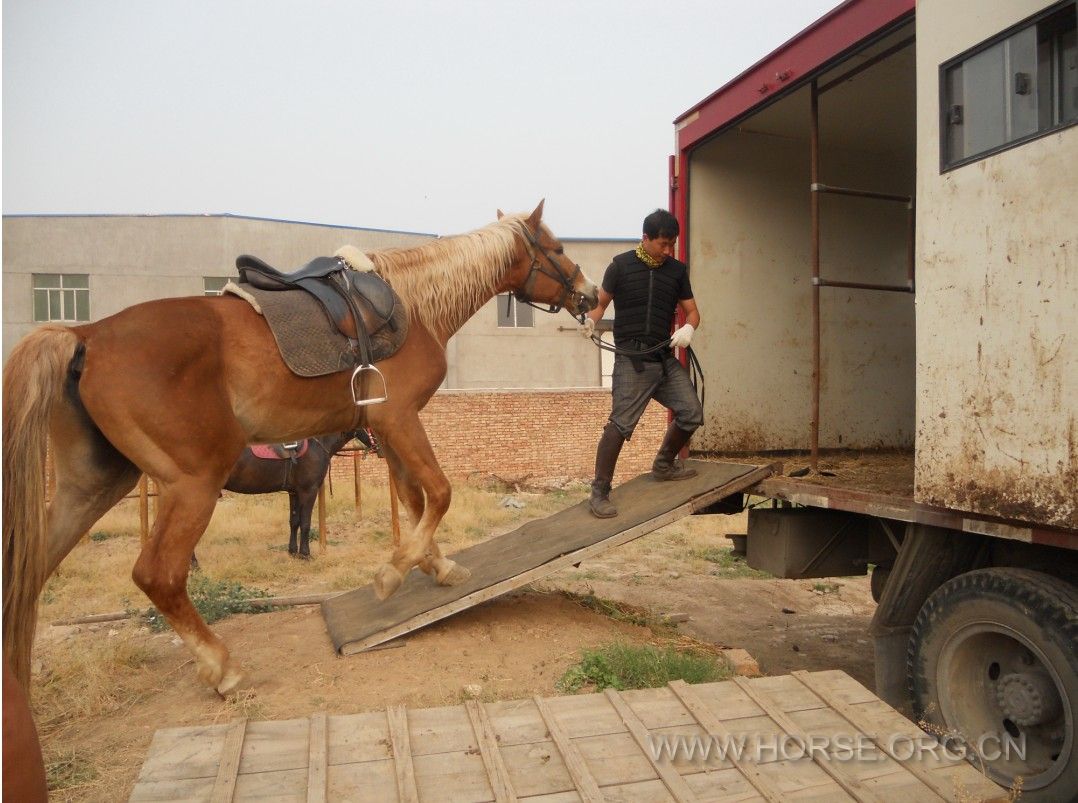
column 443, row 282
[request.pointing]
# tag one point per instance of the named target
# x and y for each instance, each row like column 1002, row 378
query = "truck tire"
column 994, row 652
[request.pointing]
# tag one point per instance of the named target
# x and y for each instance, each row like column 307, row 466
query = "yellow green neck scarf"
column 646, row 258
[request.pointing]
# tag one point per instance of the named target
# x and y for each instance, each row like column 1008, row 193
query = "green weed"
column 624, row 666
column 727, row 563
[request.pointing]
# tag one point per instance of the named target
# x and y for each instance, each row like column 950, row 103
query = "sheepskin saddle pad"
column 327, row 316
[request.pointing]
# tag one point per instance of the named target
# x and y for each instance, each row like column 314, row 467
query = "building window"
column 1015, row 87
column 213, row 285
column 61, row 297
column 512, row 312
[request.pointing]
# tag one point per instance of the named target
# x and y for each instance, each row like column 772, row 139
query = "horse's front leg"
column 410, row 493
column 185, row 507
column 427, row 494
column 304, row 503
column 293, row 523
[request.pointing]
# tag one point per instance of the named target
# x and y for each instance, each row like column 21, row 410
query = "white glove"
column 587, row 329
column 682, row 337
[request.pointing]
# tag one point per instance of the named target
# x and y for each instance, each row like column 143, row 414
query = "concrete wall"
column 997, row 367
column 135, row 259
column 750, row 254
column 549, row 354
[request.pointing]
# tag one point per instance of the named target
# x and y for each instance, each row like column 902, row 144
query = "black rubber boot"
column 666, row 465
column 606, row 457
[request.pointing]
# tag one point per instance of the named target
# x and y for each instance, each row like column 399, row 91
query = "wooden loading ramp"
column 588, row 747
column 358, row 620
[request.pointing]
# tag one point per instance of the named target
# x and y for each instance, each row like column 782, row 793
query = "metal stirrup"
column 364, row 402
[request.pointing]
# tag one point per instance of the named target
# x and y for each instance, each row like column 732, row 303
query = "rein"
column 696, row 371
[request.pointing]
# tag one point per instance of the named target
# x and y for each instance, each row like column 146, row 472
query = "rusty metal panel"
column 997, row 296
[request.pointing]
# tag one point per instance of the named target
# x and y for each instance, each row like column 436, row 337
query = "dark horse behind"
column 300, row 476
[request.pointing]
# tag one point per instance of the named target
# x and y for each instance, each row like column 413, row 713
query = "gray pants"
column 667, row 382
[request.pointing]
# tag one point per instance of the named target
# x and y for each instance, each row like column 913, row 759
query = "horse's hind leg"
column 185, row 507
column 91, row 477
column 418, row 465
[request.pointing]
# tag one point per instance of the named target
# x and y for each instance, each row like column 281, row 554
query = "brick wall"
column 544, row 435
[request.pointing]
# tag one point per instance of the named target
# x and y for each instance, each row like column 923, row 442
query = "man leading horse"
column 647, row 286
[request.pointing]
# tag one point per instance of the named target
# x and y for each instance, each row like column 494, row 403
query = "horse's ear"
column 537, row 215
column 501, row 214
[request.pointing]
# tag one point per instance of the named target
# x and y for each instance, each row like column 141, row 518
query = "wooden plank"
column 488, row 749
column 868, row 727
column 856, row 789
column 357, row 620
column 397, row 716
column 317, row 763
column 715, row 728
column 584, row 781
column 225, row 785
column 669, row 776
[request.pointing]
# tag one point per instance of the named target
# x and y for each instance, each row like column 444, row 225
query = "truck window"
column 1017, row 86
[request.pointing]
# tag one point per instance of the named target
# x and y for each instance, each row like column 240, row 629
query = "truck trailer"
column 880, row 219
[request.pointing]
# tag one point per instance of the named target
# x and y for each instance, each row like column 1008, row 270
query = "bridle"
column 523, row 295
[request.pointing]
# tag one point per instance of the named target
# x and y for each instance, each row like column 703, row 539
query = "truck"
column 880, row 220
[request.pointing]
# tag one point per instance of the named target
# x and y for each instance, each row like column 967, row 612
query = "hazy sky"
column 397, row 115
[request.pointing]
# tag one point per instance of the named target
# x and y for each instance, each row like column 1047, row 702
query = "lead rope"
column 696, row 371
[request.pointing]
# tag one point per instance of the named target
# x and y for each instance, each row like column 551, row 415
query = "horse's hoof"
column 452, row 573
column 304, row 556
column 387, row 580
column 233, row 681
column 209, row 674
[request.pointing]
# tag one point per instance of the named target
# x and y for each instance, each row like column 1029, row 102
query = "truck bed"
column 880, row 483
column 888, row 472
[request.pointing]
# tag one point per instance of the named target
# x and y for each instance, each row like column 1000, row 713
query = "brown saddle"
column 363, row 319
column 357, row 303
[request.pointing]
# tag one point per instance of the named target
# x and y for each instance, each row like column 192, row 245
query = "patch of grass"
column 624, row 666
column 103, row 535
column 213, row 599
column 619, row 611
column 727, row 563
column 68, row 770
column 826, row 588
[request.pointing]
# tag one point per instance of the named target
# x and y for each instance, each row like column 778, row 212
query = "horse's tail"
column 33, row 381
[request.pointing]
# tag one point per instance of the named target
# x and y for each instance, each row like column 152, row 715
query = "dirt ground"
column 102, row 690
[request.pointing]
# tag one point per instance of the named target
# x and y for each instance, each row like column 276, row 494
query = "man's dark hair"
column 661, row 223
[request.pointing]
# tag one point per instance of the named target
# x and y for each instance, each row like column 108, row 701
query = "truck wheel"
column 993, row 655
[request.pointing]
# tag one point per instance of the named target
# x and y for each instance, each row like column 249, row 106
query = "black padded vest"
column 645, row 299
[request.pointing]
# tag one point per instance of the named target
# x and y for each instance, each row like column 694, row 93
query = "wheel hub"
column 1028, row 698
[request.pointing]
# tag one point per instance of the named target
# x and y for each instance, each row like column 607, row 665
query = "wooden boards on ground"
column 593, row 747
column 358, row 620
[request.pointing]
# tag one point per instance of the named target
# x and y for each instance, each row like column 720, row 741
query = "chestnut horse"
column 176, row 388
